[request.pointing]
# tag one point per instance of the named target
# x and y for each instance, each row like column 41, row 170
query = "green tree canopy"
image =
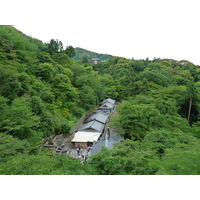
column 70, row 51
column 54, row 46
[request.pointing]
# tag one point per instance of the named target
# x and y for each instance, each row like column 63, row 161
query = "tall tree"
column 70, row 51
column 191, row 95
column 55, row 46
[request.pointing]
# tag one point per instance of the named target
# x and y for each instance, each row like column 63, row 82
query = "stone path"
column 82, row 155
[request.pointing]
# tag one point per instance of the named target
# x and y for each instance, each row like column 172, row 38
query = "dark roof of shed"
column 94, row 125
column 98, row 117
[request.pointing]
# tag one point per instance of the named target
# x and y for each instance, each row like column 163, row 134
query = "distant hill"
column 80, row 53
column 20, row 41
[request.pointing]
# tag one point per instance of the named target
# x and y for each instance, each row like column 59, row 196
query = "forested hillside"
column 43, row 92
column 81, row 54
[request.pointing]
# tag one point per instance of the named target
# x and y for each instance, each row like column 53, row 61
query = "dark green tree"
column 55, row 46
column 19, row 121
column 43, row 164
column 135, row 120
column 11, row 147
column 61, row 58
column 88, row 97
column 44, row 57
column 70, row 51
column 85, row 59
column 183, row 159
column 192, row 96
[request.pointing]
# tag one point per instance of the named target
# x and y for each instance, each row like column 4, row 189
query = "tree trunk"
column 190, row 105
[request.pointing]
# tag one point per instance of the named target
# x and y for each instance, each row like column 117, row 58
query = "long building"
column 98, row 116
column 94, row 125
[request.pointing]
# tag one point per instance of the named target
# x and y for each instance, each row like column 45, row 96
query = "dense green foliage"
column 157, row 118
column 43, row 92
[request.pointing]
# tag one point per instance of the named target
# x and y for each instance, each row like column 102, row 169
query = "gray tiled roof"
column 107, row 106
column 97, row 117
column 116, row 137
column 109, row 100
column 92, row 126
column 97, row 146
column 104, row 112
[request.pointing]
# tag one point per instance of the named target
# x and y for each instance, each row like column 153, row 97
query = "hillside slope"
column 81, row 53
column 20, row 41
column 43, row 92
